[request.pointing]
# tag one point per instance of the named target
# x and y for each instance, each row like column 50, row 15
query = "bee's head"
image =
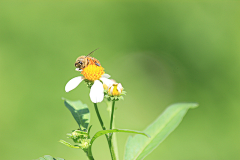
column 80, row 62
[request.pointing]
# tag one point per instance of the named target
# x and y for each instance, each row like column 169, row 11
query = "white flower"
column 96, row 91
column 115, row 89
column 107, row 83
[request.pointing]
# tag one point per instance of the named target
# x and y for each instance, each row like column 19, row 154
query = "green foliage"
column 47, row 157
column 80, row 137
column 89, row 129
column 82, row 132
column 80, row 113
column 68, row 144
column 77, row 136
column 100, row 133
column 138, row 147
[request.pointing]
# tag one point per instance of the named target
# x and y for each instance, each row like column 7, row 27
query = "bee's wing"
column 97, row 63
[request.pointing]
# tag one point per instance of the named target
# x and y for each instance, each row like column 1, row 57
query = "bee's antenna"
column 92, row 52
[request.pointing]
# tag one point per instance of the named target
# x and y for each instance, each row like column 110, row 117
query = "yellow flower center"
column 93, row 72
column 114, row 90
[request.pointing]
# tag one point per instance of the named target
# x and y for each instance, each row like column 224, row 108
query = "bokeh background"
column 161, row 52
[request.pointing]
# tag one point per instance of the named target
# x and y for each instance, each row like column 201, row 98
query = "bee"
column 84, row 61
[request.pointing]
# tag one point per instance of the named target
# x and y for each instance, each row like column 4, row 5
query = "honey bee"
column 84, row 61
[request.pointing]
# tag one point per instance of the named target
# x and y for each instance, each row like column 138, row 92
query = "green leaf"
column 89, row 129
column 100, row 133
column 47, row 157
column 80, row 113
column 68, row 144
column 81, row 132
column 138, row 147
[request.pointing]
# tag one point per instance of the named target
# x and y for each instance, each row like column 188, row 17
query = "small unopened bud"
column 115, row 90
column 85, row 143
column 75, row 134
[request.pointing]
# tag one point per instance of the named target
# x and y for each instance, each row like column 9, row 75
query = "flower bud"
column 108, row 83
column 85, row 143
column 115, row 89
column 75, row 134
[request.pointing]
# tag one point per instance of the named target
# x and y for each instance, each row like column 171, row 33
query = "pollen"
column 93, row 72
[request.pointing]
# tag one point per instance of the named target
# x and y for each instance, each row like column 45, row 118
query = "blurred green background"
column 161, row 52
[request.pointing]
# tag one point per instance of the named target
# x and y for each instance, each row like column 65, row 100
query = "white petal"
column 106, row 81
column 119, row 87
column 111, row 90
column 73, row 83
column 105, row 75
column 96, row 92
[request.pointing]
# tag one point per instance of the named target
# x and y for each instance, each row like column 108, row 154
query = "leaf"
column 48, row 157
column 80, row 113
column 81, row 132
column 89, row 129
column 68, row 144
column 100, row 133
column 138, row 147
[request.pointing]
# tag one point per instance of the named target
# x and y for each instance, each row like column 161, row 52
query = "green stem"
column 112, row 137
column 103, row 127
column 114, row 145
column 89, row 154
column 98, row 115
column 111, row 120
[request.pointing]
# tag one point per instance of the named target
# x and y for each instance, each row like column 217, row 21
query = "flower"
column 92, row 74
column 108, row 83
column 115, row 89
column 114, row 92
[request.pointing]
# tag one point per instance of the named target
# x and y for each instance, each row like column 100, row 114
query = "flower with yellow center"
column 108, row 83
column 115, row 89
column 91, row 73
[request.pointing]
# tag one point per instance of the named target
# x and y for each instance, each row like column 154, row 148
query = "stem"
column 103, row 127
column 111, row 120
column 114, row 145
column 112, row 137
column 89, row 154
column 99, row 117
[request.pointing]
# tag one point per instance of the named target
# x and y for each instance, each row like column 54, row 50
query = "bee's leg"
column 97, row 64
